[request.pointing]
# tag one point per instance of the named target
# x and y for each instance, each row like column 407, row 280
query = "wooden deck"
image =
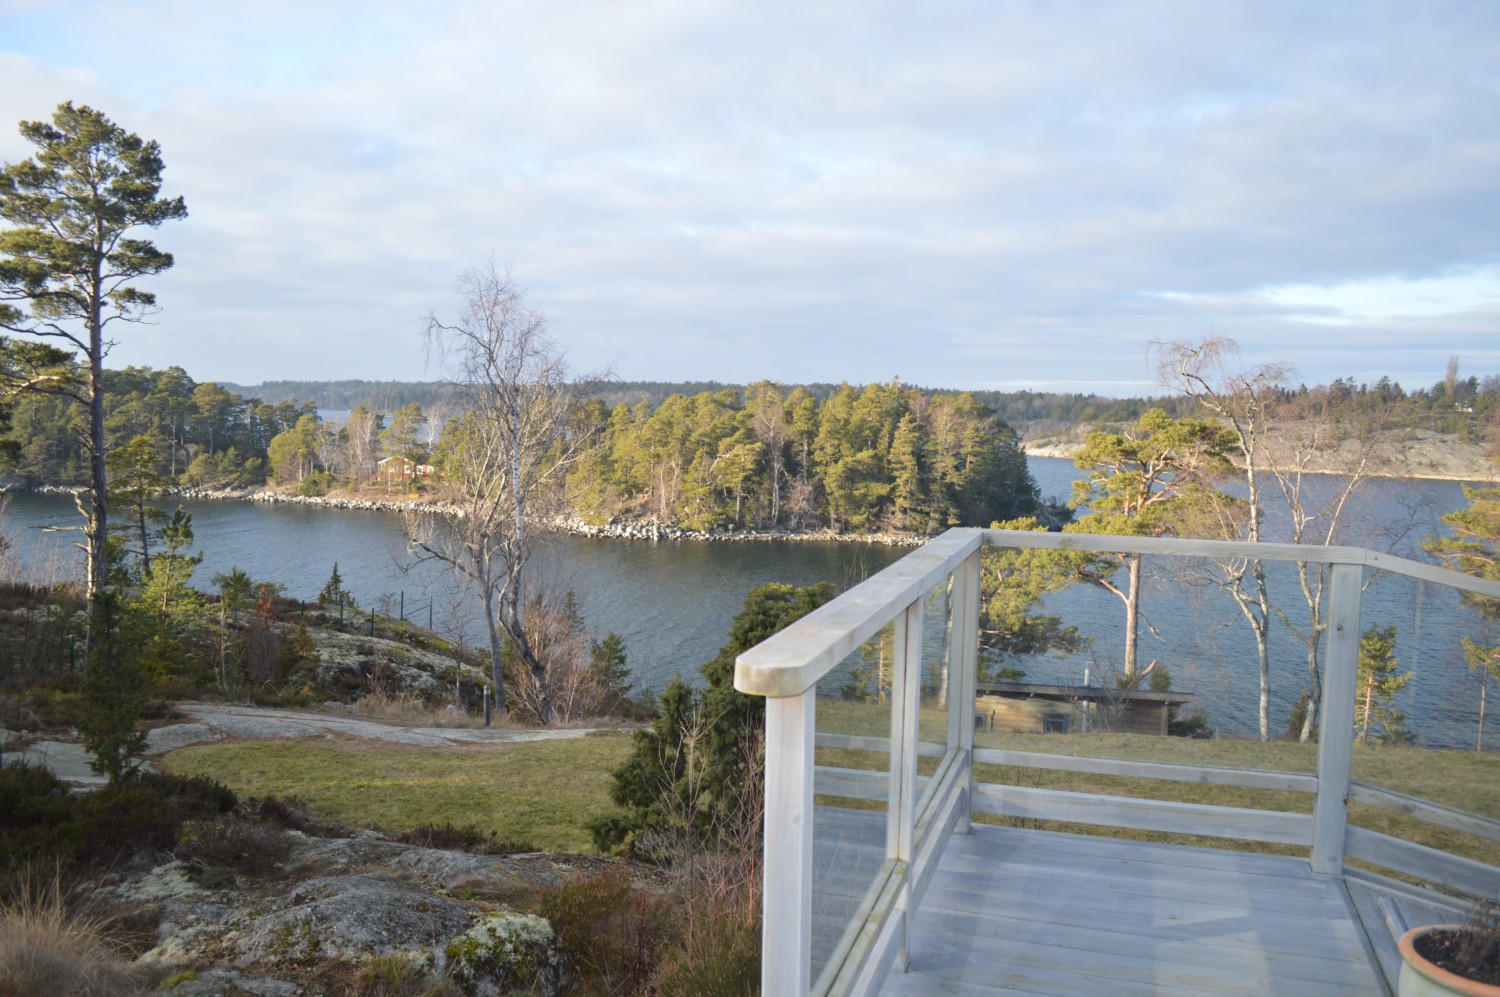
column 1013, row 911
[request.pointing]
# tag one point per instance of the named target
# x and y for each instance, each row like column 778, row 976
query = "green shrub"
column 58, row 706
column 41, row 823
column 317, row 484
column 685, row 783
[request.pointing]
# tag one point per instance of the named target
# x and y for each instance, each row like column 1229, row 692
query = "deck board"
column 1387, row 908
column 1014, row 911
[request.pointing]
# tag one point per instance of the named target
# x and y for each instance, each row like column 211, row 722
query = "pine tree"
column 685, row 780
column 1143, row 483
column 1375, row 713
column 1474, row 548
column 69, row 256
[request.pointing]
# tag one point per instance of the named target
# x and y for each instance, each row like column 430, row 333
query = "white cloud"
column 1392, row 297
column 958, row 193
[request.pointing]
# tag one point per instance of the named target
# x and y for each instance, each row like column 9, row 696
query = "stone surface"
column 350, row 899
column 351, row 917
column 218, row 982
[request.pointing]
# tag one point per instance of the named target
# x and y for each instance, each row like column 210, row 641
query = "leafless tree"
column 362, row 444
column 767, row 404
column 503, row 460
column 1313, row 456
column 1314, row 439
column 1210, row 372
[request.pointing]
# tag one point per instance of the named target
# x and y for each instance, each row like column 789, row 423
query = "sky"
column 998, row 194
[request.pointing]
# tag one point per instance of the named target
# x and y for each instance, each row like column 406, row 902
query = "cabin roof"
column 1088, row 693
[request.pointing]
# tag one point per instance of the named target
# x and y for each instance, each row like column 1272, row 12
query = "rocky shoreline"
column 644, row 529
column 1420, row 454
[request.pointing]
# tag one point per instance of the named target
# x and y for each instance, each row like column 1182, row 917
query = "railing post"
column 786, row 932
column 906, row 687
column 1336, row 724
column 963, row 652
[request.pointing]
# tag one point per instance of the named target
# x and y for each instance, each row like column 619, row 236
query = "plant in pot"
column 1453, row 958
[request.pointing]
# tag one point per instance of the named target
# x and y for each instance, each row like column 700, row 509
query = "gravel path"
column 212, row 722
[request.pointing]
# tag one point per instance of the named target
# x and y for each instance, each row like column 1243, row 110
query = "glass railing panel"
column 850, row 786
column 936, row 682
column 1425, row 721
column 1055, row 677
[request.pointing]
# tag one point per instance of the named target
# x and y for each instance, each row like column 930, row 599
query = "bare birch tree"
column 503, row 460
column 1209, row 371
column 1319, row 459
column 1303, row 452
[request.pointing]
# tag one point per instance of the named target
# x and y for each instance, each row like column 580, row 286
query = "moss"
column 178, row 978
column 509, row 949
column 294, row 941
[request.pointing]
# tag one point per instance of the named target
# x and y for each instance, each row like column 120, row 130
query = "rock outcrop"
column 353, row 900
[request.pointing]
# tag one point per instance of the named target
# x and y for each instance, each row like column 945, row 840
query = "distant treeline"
column 344, row 396
column 1460, row 405
column 1017, row 408
column 203, row 432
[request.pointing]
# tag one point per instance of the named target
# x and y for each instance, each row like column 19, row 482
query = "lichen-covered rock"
column 160, row 884
column 449, row 869
column 345, row 917
column 186, row 931
column 352, row 663
column 505, row 952
column 367, row 900
column 218, row 982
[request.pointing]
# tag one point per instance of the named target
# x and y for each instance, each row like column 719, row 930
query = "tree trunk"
column 497, row 675
column 1260, row 626
column 145, row 539
column 1484, row 683
column 513, row 618
column 95, row 528
column 1132, row 612
column 1315, row 688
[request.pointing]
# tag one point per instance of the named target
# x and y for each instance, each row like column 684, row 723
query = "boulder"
column 352, row 917
column 367, row 899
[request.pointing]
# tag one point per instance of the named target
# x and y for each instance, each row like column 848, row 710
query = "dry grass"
column 408, row 710
column 49, row 948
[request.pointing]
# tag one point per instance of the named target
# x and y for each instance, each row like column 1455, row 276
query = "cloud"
column 962, row 195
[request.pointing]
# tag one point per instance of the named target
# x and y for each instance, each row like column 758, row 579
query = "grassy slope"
column 545, row 793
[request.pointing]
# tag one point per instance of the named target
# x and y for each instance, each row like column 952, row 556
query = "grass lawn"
column 545, row 792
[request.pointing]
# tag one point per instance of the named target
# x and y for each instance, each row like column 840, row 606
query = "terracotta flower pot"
column 1420, row 978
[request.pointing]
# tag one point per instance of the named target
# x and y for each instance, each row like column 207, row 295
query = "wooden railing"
column 921, row 812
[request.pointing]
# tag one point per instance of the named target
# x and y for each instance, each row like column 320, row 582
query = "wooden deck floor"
column 1015, row 911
